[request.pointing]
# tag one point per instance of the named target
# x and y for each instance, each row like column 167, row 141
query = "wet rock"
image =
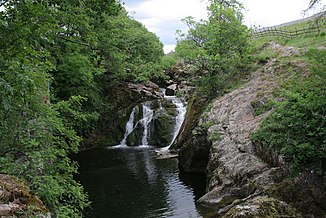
column 194, row 148
column 124, row 97
column 163, row 126
column 16, row 199
column 166, row 154
column 262, row 207
column 171, row 90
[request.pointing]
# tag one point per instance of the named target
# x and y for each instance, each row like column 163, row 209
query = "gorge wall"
column 246, row 179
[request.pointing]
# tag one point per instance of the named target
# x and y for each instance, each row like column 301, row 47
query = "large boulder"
column 171, row 90
column 262, row 207
column 162, row 129
column 193, row 145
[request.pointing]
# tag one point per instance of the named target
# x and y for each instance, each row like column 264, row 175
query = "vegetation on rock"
column 297, row 128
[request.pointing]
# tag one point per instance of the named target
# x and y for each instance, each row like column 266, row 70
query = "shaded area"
column 131, row 182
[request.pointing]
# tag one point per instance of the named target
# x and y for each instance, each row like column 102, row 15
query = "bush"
column 297, row 128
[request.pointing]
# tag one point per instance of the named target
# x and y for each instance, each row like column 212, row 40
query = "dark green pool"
column 131, row 182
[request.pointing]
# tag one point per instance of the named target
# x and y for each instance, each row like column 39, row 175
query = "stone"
column 166, row 154
column 162, row 129
column 262, row 207
column 171, row 90
column 193, row 149
column 16, row 198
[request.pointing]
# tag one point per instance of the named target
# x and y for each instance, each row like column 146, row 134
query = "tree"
column 128, row 50
column 54, row 57
column 218, row 47
column 34, row 139
column 313, row 3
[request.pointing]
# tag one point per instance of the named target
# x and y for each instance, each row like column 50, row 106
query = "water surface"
column 131, row 182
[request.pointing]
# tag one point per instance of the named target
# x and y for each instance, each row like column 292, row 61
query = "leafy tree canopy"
column 218, row 46
column 53, row 58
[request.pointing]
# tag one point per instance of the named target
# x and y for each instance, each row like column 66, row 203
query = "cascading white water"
column 147, row 118
column 181, row 108
column 129, row 128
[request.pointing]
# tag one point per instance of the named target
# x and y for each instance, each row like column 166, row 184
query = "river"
column 131, row 182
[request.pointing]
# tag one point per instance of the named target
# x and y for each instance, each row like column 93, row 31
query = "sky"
column 163, row 17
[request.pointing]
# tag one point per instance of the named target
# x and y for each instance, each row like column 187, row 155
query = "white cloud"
column 171, row 9
column 269, row 13
column 163, row 17
column 169, row 48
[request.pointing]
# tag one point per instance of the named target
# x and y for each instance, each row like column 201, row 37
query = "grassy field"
column 305, row 41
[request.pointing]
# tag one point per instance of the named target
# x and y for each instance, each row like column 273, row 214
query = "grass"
column 303, row 25
column 308, row 41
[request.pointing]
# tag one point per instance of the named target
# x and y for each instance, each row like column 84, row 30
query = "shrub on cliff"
column 297, row 128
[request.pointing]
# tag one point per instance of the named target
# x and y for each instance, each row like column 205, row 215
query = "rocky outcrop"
column 246, row 179
column 148, row 90
column 193, row 146
column 234, row 170
column 262, row 207
column 16, row 200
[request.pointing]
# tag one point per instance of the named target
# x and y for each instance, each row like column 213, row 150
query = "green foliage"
column 218, row 47
column 262, row 107
column 57, row 59
column 128, row 50
column 73, row 115
column 168, row 61
column 297, row 128
column 215, row 136
column 265, row 55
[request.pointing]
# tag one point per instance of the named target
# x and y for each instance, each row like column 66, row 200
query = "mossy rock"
column 306, row 192
column 16, row 199
column 262, row 207
column 162, row 129
column 134, row 138
column 196, row 106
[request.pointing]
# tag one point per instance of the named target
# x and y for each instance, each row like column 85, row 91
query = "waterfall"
column 147, row 118
column 129, row 128
column 138, row 132
column 181, row 108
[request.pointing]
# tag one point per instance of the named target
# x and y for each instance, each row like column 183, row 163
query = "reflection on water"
column 131, row 182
